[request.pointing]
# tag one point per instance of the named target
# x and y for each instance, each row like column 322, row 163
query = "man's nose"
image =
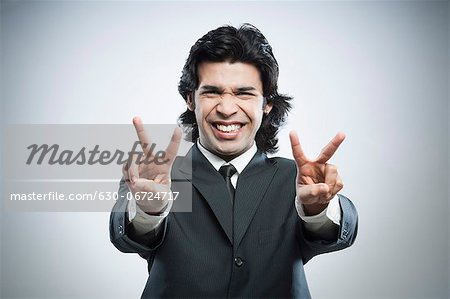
column 227, row 104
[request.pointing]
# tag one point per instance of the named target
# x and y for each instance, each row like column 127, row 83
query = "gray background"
column 375, row 70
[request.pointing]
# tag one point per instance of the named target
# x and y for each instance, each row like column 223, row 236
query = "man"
column 255, row 221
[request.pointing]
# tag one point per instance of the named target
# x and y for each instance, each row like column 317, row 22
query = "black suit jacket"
column 256, row 249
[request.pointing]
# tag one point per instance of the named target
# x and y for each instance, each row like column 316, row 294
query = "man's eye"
column 210, row 93
column 243, row 93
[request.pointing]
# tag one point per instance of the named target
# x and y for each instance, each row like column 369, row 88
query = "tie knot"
column 227, row 171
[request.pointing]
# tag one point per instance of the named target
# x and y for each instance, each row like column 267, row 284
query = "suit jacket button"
column 238, row 261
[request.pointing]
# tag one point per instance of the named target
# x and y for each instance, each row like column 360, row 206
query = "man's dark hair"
column 245, row 44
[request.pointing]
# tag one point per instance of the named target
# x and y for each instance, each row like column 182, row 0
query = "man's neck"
column 239, row 161
column 226, row 158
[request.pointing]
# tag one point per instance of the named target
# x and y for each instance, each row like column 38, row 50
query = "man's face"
column 228, row 105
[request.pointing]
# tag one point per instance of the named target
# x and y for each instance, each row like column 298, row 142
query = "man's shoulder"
column 282, row 162
column 284, row 165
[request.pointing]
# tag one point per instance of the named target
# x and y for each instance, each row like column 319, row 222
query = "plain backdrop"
column 379, row 71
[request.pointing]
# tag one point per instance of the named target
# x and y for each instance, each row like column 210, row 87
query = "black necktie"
column 227, row 171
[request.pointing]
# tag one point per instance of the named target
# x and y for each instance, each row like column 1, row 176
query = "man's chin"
column 227, row 153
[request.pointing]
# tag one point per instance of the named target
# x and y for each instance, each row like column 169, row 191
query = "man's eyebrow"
column 210, row 88
column 246, row 88
column 214, row 88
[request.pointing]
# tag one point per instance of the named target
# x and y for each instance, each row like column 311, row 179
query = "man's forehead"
column 237, row 75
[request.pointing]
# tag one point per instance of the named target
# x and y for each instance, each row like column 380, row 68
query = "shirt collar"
column 240, row 162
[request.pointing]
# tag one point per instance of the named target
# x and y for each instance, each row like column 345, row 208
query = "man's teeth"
column 228, row 128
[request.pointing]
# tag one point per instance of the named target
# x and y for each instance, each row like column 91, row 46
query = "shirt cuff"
column 331, row 213
column 143, row 222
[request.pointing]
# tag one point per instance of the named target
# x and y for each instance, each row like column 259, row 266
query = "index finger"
column 329, row 150
column 297, row 150
column 142, row 135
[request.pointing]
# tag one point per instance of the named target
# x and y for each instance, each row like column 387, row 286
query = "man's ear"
column 190, row 101
column 267, row 108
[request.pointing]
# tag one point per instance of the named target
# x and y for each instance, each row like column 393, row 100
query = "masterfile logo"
column 68, row 157
column 62, row 167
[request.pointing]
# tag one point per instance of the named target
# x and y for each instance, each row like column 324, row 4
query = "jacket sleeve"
column 121, row 231
column 346, row 233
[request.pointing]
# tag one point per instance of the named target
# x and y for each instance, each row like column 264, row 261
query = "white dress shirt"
column 319, row 224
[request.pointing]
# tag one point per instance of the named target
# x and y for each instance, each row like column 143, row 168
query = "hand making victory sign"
column 317, row 181
column 145, row 178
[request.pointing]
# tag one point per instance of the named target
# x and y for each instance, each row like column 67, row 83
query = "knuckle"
column 314, row 191
column 332, row 168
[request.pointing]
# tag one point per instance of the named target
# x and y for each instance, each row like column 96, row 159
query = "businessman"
column 255, row 220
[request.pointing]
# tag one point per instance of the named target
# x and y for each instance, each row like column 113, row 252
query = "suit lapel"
column 251, row 188
column 211, row 185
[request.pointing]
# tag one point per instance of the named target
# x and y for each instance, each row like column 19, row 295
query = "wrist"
column 157, row 213
column 314, row 209
column 152, row 207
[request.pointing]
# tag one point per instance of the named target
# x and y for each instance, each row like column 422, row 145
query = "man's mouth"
column 231, row 128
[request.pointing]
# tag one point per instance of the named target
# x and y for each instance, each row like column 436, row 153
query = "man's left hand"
column 317, row 181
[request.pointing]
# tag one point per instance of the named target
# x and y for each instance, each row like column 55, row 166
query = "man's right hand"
column 146, row 179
